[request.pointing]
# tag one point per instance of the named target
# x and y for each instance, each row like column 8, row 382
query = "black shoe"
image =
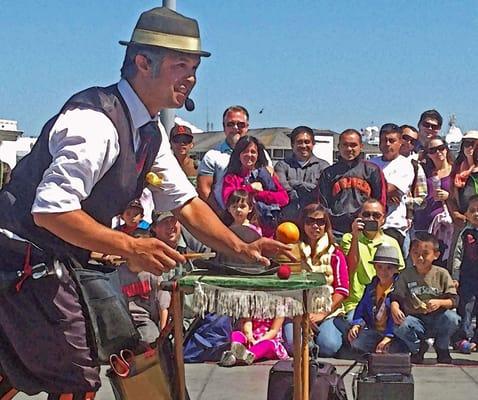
column 418, row 358
column 443, row 356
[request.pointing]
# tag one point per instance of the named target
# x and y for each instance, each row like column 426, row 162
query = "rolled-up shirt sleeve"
column 176, row 189
column 84, row 145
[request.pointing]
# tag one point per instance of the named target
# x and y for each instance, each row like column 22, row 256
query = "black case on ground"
column 377, row 388
column 324, row 382
column 385, row 363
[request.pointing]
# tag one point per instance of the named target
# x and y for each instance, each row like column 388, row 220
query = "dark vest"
column 110, row 195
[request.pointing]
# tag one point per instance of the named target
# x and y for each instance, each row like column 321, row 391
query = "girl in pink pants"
column 258, row 339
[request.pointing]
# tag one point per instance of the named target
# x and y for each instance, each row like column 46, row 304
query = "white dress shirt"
column 84, row 145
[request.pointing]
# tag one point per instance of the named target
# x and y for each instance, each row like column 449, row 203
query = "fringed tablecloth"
column 258, row 297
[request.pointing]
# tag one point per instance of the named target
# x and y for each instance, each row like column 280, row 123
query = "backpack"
column 208, row 338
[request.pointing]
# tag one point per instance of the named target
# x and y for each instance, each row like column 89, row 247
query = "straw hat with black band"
column 162, row 27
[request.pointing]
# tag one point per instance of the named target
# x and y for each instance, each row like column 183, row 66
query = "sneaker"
column 463, row 346
column 228, row 359
column 241, row 353
column 443, row 356
column 418, row 358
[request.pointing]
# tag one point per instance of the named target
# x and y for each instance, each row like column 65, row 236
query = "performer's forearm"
column 78, row 228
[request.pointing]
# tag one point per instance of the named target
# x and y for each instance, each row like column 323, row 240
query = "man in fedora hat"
column 89, row 162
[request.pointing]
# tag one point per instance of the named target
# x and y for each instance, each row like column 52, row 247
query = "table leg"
column 297, row 358
column 305, row 356
column 178, row 342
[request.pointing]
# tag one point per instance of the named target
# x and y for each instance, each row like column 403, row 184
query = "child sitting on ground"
column 258, row 339
column 465, row 276
column 372, row 326
column 422, row 302
column 147, row 304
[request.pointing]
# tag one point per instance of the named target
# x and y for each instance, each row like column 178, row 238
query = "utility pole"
column 167, row 114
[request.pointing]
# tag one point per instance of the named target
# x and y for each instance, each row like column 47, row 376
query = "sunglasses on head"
column 469, row 142
column 434, row 127
column 316, row 221
column 239, row 124
column 433, row 150
column 409, row 139
column 373, row 215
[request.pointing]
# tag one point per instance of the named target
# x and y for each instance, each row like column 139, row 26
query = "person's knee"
column 450, row 320
column 329, row 343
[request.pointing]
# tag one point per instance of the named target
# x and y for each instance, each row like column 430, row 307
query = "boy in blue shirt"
column 372, row 325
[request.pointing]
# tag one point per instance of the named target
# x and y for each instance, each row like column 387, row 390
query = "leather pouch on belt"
column 111, row 325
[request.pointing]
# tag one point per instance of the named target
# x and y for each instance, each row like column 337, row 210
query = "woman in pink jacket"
column 248, row 170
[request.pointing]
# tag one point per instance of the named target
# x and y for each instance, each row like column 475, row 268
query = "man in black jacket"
column 345, row 185
column 299, row 174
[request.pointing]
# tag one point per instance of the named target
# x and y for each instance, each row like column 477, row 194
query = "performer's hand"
column 264, row 247
column 153, row 255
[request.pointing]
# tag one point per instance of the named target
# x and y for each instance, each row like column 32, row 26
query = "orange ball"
column 287, row 232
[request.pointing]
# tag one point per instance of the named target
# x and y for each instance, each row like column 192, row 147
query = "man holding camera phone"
column 360, row 246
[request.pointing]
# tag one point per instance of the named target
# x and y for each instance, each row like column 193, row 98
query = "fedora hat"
column 163, row 27
column 386, row 255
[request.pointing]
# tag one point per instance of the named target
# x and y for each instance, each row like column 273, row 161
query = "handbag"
column 105, row 308
column 138, row 377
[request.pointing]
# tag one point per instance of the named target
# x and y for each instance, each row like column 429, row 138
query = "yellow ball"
column 154, row 179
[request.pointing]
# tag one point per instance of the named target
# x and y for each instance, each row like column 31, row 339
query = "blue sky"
column 327, row 64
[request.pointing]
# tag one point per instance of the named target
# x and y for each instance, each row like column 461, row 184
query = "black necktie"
column 146, row 133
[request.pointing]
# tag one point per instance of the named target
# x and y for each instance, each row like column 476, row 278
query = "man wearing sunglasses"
column 181, row 138
column 360, row 246
column 429, row 126
column 235, row 121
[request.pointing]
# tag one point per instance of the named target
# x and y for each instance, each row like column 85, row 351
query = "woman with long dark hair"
column 320, row 253
column 434, row 217
column 248, row 170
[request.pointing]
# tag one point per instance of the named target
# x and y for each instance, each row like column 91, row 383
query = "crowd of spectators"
column 395, row 236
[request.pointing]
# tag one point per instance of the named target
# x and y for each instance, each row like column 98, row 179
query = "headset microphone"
column 189, row 104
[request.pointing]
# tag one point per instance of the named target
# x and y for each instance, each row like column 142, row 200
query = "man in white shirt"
column 398, row 172
column 89, row 161
column 235, row 121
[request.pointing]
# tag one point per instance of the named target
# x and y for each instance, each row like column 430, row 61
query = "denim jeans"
column 367, row 341
column 467, row 309
column 329, row 339
column 440, row 326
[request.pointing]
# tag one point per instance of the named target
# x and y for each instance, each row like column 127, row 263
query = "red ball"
column 283, row 272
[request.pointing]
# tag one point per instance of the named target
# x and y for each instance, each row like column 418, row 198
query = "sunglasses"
column 409, row 139
column 239, row 124
column 182, row 139
column 373, row 215
column 469, row 142
column 434, row 127
column 433, row 150
column 315, row 221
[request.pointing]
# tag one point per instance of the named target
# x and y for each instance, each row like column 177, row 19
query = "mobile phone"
column 370, row 226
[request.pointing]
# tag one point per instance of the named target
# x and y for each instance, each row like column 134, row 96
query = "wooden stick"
column 178, row 342
column 199, row 256
column 297, row 379
column 116, row 260
column 305, row 349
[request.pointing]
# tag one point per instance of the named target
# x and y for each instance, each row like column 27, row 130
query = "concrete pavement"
column 211, row 382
